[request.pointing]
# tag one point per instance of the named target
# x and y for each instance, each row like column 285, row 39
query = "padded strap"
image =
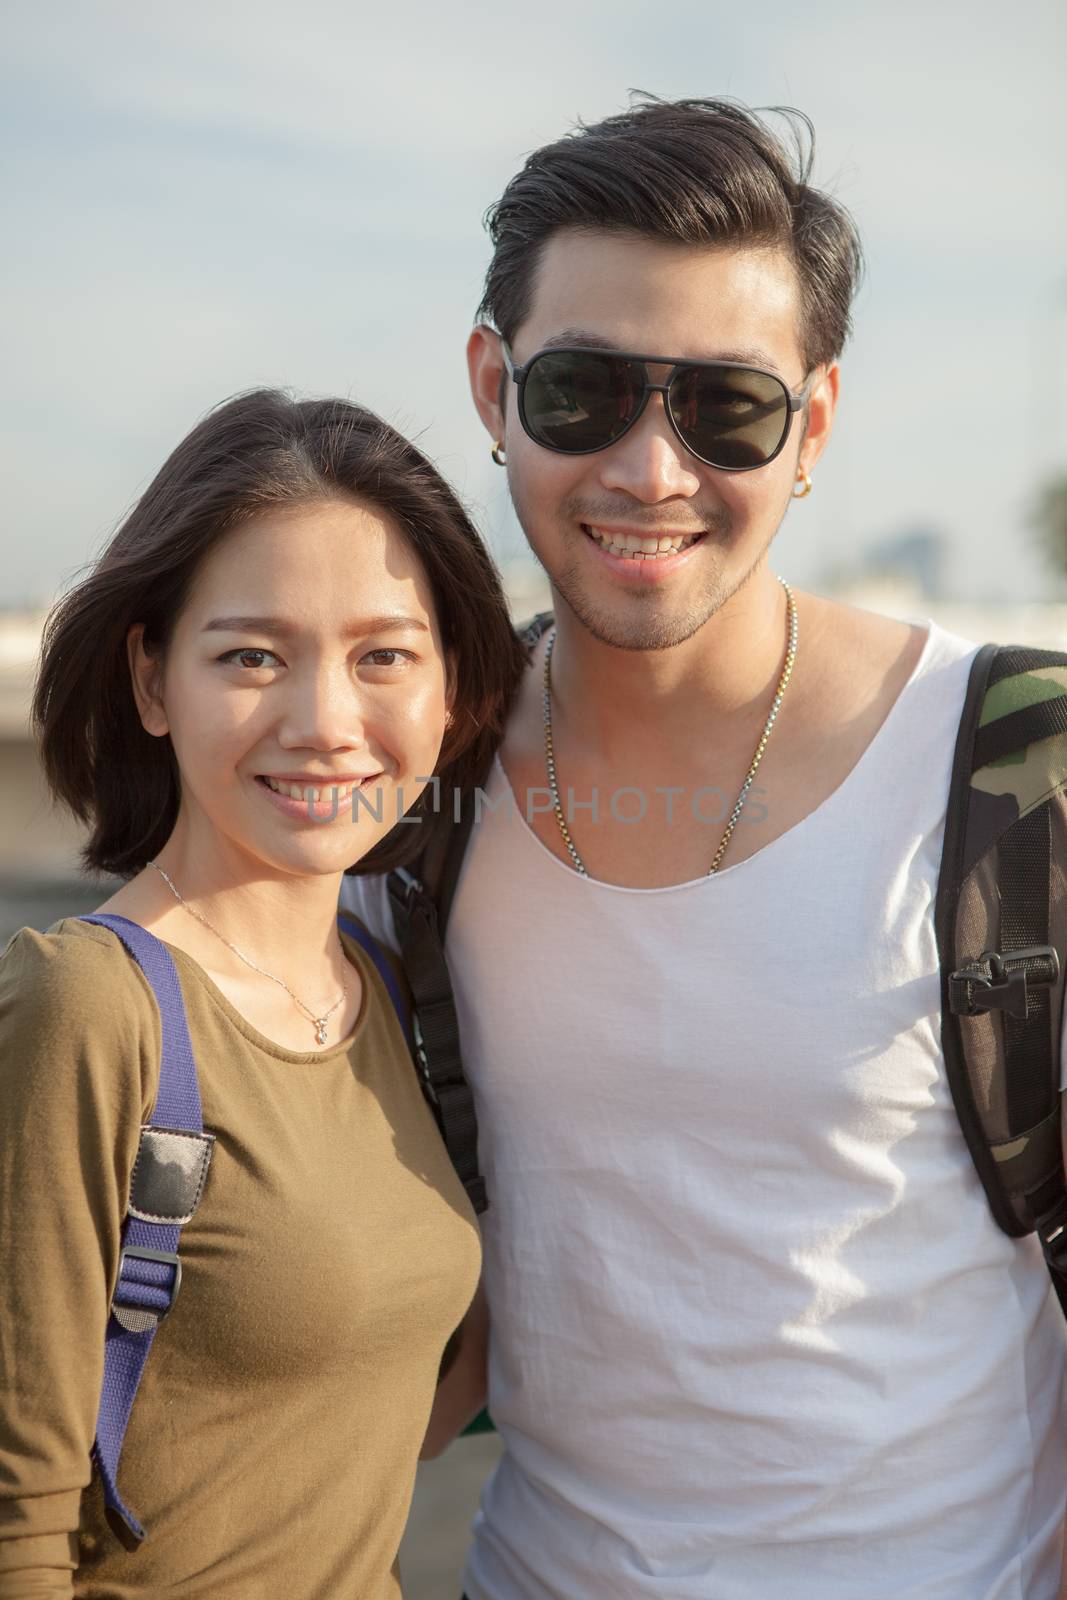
column 367, row 942
column 1023, row 1174
column 149, row 1270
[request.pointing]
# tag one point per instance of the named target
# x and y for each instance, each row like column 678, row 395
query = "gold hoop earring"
column 802, row 478
column 499, row 454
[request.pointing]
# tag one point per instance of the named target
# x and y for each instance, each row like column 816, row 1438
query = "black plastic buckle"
column 421, row 1057
column 1052, row 1231
column 141, row 1253
column 411, row 899
column 998, row 982
column 404, row 887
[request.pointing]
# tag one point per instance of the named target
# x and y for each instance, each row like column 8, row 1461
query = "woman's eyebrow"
column 282, row 629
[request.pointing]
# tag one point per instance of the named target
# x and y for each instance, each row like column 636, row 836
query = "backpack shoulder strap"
column 1001, row 920
column 434, row 1028
column 168, row 1180
column 421, row 900
column 382, row 965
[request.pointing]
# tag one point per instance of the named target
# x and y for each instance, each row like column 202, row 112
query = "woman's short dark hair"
column 687, row 171
column 259, row 450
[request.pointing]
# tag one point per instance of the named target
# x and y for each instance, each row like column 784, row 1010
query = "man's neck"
column 617, row 703
column 683, row 725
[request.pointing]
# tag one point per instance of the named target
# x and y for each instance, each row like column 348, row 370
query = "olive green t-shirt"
column 271, row 1451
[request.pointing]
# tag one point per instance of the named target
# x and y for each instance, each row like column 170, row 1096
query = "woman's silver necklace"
column 739, row 804
column 319, row 1022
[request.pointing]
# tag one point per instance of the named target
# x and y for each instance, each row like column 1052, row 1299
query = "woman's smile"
column 324, row 800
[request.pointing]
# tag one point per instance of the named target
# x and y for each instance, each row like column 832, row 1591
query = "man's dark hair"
column 259, row 450
column 689, row 172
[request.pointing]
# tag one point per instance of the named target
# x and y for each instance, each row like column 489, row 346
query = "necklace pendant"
column 320, row 1030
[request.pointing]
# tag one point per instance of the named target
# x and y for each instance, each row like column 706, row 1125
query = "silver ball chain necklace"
column 739, row 804
column 319, row 1022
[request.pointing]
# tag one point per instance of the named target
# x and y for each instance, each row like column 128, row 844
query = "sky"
column 204, row 198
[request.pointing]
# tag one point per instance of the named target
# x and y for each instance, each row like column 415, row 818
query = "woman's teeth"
column 638, row 549
column 306, row 791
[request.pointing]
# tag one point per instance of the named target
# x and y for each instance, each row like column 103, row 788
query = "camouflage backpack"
column 1001, row 916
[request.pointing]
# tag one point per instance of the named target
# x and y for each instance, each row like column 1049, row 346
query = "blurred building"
column 40, row 879
column 914, row 558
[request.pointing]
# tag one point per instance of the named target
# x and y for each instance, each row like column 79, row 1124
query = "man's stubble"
column 640, row 622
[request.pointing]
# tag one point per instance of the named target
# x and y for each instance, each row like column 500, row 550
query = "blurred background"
column 204, row 198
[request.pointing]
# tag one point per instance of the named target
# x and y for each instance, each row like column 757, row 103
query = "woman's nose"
column 324, row 711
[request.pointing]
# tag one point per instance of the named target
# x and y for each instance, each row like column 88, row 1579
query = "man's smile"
column 619, row 542
column 641, row 557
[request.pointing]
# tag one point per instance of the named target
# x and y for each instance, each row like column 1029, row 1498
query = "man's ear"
column 821, row 407
column 146, row 675
column 485, row 364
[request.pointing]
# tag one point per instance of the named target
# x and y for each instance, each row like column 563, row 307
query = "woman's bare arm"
column 461, row 1392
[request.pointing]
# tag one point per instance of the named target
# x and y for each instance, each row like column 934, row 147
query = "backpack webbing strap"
column 168, row 1179
column 1013, row 732
column 435, row 1029
column 440, row 869
column 1023, row 881
column 421, row 901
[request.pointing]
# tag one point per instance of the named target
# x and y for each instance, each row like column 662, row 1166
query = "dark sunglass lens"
column 573, row 401
column 728, row 416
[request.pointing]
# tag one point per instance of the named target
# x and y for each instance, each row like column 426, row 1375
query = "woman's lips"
column 321, row 800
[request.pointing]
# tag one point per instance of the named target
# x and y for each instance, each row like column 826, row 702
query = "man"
column 754, row 1331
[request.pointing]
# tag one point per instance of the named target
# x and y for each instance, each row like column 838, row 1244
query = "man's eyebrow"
column 748, row 356
column 573, row 336
column 281, row 629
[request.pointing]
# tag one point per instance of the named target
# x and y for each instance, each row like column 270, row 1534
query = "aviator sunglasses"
column 578, row 400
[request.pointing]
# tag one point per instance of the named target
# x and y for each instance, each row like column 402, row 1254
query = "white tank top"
column 755, row 1333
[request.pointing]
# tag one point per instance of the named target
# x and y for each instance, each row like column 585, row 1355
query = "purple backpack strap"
column 168, row 1179
column 367, row 941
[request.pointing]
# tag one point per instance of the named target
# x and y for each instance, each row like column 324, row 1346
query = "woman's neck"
column 213, row 901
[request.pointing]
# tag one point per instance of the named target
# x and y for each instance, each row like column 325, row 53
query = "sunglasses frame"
column 794, row 401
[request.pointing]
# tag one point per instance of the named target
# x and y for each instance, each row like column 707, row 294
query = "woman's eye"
column 388, row 657
column 251, row 659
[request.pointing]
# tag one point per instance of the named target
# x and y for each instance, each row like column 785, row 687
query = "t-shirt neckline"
column 188, row 966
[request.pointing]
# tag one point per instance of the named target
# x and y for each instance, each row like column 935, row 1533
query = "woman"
column 294, row 629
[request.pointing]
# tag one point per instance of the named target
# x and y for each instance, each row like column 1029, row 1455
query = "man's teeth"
column 306, row 791
column 632, row 545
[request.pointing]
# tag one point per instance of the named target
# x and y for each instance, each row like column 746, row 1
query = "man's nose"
column 650, row 463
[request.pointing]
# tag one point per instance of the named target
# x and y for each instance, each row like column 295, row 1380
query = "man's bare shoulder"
column 863, row 635
column 859, row 658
